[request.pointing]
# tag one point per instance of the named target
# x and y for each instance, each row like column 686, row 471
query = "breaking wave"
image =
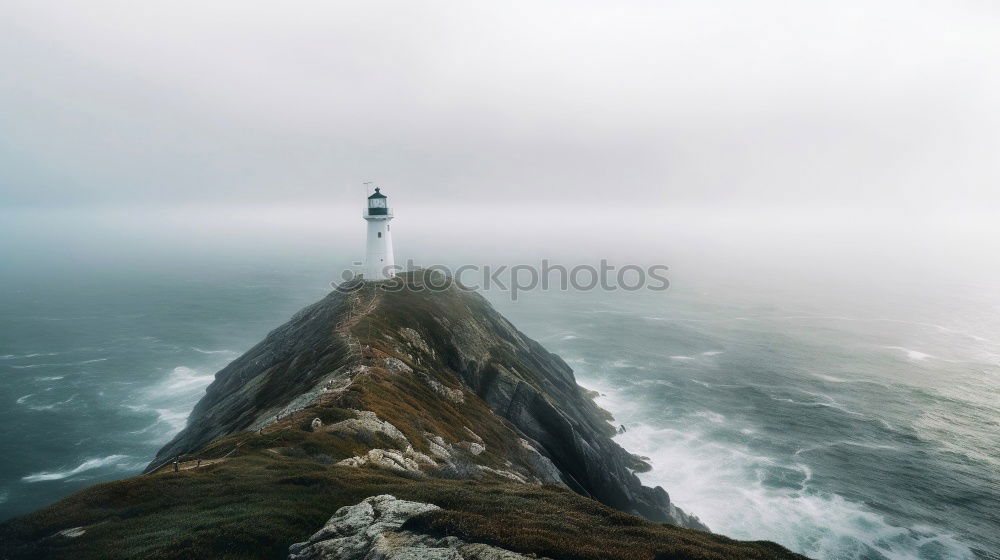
column 171, row 400
column 746, row 495
column 182, row 380
column 914, row 355
column 25, row 401
column 70, row 364
column 89, row 464
column 223, row 351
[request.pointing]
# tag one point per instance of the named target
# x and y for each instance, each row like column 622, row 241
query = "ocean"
column 854, row 426
column 870, row 430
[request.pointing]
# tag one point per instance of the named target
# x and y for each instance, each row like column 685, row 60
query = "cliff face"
column 281, row 373
column 459, row 349
column 385, row 423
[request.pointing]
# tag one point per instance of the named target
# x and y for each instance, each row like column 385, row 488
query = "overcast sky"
column 687, row 103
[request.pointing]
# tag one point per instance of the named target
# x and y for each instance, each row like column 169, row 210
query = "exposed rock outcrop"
column 390, row 459
column 365, row 425
column 371, row 530
column 455, row 330
column 285, row 372
column 442, row 338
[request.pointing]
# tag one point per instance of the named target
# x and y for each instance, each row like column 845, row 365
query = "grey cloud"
column 807, row 104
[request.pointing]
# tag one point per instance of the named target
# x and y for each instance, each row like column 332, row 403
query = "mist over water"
column 837, row 397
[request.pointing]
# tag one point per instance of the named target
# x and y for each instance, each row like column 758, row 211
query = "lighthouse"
column 379, row 261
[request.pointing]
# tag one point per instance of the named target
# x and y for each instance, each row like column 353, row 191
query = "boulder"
column 370, row 530
column 409, row 460
column 397, row 365
column 367, row 422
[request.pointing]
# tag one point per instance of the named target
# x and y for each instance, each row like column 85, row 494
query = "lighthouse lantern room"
column 379, row 260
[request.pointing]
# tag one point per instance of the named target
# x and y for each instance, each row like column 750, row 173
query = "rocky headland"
column 385, row 421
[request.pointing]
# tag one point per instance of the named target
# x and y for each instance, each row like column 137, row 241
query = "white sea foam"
column 168, row 421
column 712, row 353
column 201, row 351
column 4, row 495
column 570, row 337
column 712, row 417
column 41, row 407
column 176, row 419
column 914, row 355
column 87, row 465
column 50, row 378
column 681, row 358
column 183, row 380
column 621, row 364
column 171, row 400
column 20, row 400
column 846, row 442
column 662, row 382
column 725, row 484
column 70, row 364
column 31, row 355
column 823, row 400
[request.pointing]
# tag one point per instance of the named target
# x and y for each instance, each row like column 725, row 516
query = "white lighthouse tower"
column 379, row 260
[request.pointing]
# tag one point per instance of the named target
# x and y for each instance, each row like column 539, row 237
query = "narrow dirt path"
column 361, row 302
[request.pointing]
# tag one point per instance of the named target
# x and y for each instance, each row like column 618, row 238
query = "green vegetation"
column 555, row 522
column 256, row 504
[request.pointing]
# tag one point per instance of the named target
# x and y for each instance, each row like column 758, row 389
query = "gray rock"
column 370, row 530
column 472, row 435
column 415, row 340
column 346, row 522
column 472, row 447
column 439, row 451
column 546, row 472
column 510, row 475
column 366, row 422
column 395, row 364
column 439, row 448
column 391, row 459
column 71, row 533
column 455, row 396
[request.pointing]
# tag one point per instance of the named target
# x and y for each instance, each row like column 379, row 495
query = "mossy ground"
column 258, row 502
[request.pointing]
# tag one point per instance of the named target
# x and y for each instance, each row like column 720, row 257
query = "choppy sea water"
column 98, row 372
column 866, row 431
column 857, row 430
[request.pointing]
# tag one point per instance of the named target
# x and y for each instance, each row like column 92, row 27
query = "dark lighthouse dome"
column 377, row 203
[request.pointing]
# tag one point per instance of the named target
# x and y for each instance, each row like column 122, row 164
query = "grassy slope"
column 258, row 502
